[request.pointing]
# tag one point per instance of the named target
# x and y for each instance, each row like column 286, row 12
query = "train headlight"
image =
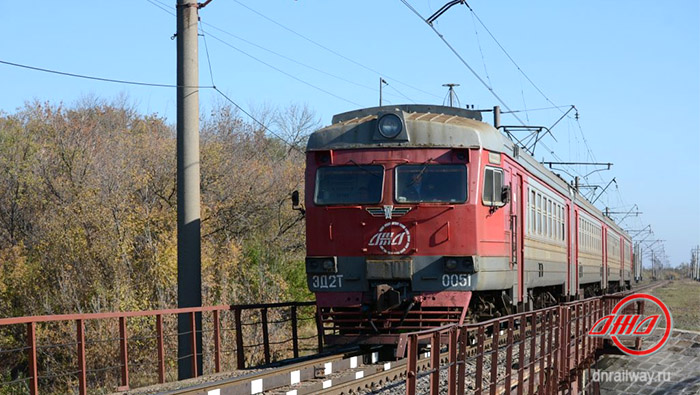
column 328, row 265
column 459, row 264
column 450, row 264
column 390, row 125
column 321, row 265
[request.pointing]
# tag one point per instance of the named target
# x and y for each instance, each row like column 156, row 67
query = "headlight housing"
column 389, row 125
column 321, row 265
column 459, row 264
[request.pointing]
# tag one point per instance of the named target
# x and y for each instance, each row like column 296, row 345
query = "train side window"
column 549, row 218
column 545, row 229
column 533, row 212
column 539, row 214
column 529, row 213
column 493, row 185
column 563, row 224
column 557, row 220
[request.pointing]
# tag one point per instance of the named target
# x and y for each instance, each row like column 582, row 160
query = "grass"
column 683, row 299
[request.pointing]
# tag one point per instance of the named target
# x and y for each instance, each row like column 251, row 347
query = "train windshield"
column 355, row 184
column 431, row 183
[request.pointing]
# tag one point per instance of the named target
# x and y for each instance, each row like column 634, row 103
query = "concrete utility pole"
column 189, row 273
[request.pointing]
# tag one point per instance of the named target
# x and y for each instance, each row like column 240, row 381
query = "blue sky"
column 632, row 68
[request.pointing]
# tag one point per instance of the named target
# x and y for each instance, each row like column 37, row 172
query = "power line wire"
column 483, row 60
column 585, row 141
column 535, row 109
column 282, row 71
column 102, row 79
column 206, row 50
column 401, row 93
column 293, row 146
column 507, row 54
column 331, row 50
column 454, row 51
column 290, row 59
column 162, row 6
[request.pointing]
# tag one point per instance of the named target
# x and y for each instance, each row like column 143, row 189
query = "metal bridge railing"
column 121, row 350
column 542, row 351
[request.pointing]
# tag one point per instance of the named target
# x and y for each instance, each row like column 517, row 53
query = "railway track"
column 371, row 377
column 270, row 380
column 650, row 286
column 352, row 372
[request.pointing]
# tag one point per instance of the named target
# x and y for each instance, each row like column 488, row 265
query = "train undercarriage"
column 363, row 323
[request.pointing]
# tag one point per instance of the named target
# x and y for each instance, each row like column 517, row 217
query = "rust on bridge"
column 287, row 315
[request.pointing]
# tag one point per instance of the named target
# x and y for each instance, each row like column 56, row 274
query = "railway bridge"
column 278, row 348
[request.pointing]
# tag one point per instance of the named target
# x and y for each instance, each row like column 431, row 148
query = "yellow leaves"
column 94, row 215
column 13, row 265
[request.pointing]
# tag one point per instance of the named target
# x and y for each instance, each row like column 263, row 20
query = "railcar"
column 420, row 215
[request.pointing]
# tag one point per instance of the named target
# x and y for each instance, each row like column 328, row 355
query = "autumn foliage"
column 88, row 209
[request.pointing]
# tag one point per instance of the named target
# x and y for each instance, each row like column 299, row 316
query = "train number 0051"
column 456, row 280
column 327, row 281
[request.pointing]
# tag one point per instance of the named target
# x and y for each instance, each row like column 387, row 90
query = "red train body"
column 417, row 216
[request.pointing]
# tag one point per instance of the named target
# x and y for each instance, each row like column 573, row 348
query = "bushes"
column 88, row 210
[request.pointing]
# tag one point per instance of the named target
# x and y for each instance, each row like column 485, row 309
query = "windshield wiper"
column 365, row 169
column 417, row 178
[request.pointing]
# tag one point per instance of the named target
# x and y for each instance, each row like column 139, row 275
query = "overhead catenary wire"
column 481, row 80
column 481, row 51
column 161, row 6
column 401, row 93
column 464, row 62
column 308, row 66
column 283, row 72
column 527, row 77
column 291, row 145
column 508, row 55
column 535, row 109
column 331, row 50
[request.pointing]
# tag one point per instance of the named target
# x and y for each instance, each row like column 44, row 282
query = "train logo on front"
column 392, row 238
column 633, row 325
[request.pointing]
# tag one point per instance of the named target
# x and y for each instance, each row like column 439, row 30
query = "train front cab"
column 487, row 234
column 397, row 256
column 381, row 260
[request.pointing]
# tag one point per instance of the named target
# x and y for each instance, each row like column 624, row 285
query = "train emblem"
column 387, row 236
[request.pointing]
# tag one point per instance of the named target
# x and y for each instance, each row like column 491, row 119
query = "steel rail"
column 364, row 379
column 279, row 377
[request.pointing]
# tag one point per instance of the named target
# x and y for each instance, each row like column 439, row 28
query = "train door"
column 605, row 258
column 577, row 263
column 517, row 220
column 622, row 263
column 571, row 254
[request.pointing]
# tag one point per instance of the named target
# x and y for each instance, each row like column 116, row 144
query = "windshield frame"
column 424, row 167
column 350, row 165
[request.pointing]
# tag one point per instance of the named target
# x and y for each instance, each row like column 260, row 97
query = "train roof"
column 447, row 127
